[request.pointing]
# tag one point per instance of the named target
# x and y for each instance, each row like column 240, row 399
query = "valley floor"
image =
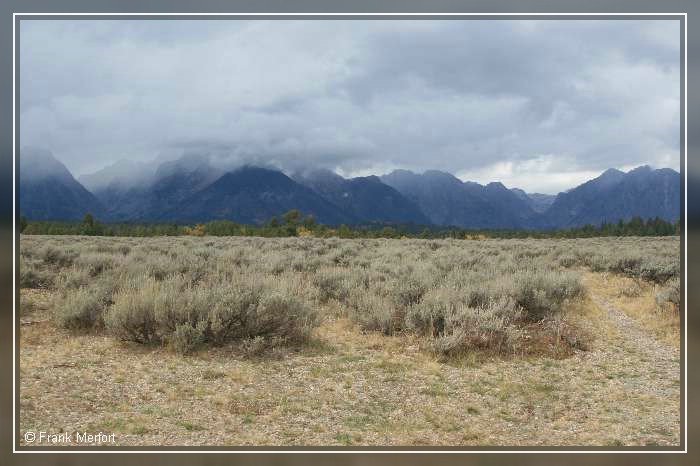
column 354, row 388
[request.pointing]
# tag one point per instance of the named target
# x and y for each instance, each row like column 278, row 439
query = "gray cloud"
column 537, row 104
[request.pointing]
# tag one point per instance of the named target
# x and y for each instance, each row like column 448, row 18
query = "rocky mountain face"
column 364, row 198
column 448, row 201
column 190, row 189
column 616, row 195
column 254, row 195
column 537, row 201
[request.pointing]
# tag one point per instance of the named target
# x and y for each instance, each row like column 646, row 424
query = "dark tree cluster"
column 295, row 223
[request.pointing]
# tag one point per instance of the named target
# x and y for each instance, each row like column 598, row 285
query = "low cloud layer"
column 540, row 105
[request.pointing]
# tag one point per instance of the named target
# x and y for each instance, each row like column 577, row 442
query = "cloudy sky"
column 542, row 105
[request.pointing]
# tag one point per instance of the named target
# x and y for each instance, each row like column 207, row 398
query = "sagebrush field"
column 309, row 341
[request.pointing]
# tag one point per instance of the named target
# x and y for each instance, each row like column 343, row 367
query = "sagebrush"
column 261, row 292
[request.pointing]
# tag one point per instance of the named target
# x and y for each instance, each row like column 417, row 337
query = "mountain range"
column 191, row 190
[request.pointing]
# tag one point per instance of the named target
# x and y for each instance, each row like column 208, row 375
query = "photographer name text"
column 69, row 437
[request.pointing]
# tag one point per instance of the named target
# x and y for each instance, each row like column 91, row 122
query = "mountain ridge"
column 48, row 191
column 191, row 189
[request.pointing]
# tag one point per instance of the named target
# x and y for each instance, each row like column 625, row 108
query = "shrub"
column 331, row 285
column 408, row 291
column 276, row 264
column 429, row 315
column 486, row 328
column 187, row 338
column 658, row 271
column 277, row 315
column 54, row 256
column 30, row 276
column 73, row 278
column 633, row 290
column 95, row 263
column 187, row 315
column 627, row 265
column 567, row 261
column 256, row 291
column 81, row 309
column 671, row 293
column 176, row 302
column 232, row 309
column 541, row 293
column 132, row 316
column 374, row 313
column 27, row 305
column 257, row 346
column 254, row 346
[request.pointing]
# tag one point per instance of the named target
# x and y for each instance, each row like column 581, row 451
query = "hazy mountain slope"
column 537, row 201
column 446, row 200
column 254, row 195
column 158, row 192
column 191, row 189
column 48, row 191
column 122, row 175
column 365, row 198
column 617, row 195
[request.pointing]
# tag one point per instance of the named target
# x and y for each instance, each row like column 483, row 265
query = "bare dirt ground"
column 350, row 388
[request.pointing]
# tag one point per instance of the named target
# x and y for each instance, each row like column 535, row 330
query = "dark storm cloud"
column 538, row 104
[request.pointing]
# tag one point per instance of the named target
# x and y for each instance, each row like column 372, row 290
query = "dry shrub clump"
column 31, row 274
column 492, row 326
column 81, row 309
column 263, row 293
column 670, row 295
column 652, row 259
column 187, row 316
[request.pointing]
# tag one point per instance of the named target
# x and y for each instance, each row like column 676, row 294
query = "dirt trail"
column 654, row 362
column 635, row 336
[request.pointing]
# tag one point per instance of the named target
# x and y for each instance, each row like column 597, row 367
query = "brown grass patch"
column 641, row 305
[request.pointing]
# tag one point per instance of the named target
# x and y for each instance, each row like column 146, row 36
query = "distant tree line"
column 294, row 223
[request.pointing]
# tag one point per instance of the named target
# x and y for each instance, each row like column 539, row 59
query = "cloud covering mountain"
column 542, row 105
column 190, row 189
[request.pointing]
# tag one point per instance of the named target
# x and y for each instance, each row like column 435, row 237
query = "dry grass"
column 637, row 299
column 588, row 375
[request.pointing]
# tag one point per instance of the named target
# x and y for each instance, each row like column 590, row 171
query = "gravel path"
column 636, row 337
column 656, row 364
